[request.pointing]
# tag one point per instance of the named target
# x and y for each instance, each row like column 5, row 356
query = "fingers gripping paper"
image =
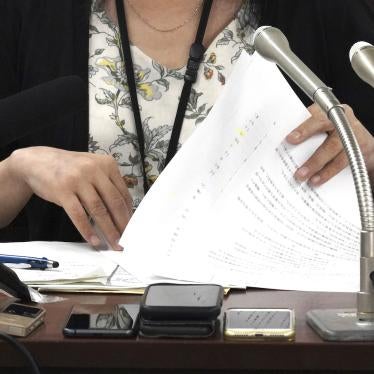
column 228, row 210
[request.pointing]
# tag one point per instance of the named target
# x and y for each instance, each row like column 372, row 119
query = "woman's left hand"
column 330, row 158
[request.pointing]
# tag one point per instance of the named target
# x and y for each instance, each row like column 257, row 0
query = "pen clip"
column 39, row 264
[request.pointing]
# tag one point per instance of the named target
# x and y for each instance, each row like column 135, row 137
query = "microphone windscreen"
column 35, row 108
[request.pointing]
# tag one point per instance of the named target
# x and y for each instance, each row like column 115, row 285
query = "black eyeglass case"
column 180, row 310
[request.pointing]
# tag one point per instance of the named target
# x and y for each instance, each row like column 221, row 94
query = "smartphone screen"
column 260, row 323
column 102, row 320
column 176, row 295
column 22, row 310
column 259, row 319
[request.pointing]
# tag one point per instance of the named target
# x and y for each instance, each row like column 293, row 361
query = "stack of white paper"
column 81, row 268
column 228, row 210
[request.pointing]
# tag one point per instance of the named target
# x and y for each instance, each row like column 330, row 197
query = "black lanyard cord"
column 126, row 56
column 197, row 51
column 196, row 55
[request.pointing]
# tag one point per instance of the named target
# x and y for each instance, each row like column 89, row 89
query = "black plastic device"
column 180, row 310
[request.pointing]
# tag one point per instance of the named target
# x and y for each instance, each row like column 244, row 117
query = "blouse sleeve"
column 9, row 30
column 9, row 84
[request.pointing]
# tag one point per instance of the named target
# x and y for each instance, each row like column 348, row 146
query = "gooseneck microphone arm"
column 271, row 44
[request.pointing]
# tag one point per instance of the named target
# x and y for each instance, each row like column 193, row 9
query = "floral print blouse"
column 112, row 128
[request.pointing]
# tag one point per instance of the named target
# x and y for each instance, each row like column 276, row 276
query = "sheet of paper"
column 81, row 268
column 123, row 277
column 77, row 261
column 228, row 210
column 90, row 288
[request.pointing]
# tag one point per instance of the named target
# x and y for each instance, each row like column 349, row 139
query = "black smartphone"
column 107, row 321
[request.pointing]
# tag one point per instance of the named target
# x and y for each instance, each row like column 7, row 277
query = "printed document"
column 228, row 210
column 81, row 268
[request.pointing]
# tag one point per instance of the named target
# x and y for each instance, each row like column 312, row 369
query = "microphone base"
column 340, row 325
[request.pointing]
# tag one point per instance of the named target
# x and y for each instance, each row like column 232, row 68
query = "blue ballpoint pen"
column 34, row 262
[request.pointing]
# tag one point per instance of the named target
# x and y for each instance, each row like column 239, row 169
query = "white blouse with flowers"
column 112, row 127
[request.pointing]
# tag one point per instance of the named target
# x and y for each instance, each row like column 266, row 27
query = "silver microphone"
column 271, row 44
column 361, row 56
column 334, row 324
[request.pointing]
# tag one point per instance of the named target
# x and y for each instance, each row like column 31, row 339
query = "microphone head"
column 358, row 47
column 273, row 45
column 260, row 29
column 361, row 56
column 269, row 42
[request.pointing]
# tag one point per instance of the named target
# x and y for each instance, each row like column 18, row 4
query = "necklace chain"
column 174, row 28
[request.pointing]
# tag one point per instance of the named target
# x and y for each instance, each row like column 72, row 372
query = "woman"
column 52, row 179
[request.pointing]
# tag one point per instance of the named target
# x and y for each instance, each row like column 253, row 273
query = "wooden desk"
column 308, row 352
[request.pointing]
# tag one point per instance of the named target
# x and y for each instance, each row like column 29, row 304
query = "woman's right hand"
column 81, row 183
